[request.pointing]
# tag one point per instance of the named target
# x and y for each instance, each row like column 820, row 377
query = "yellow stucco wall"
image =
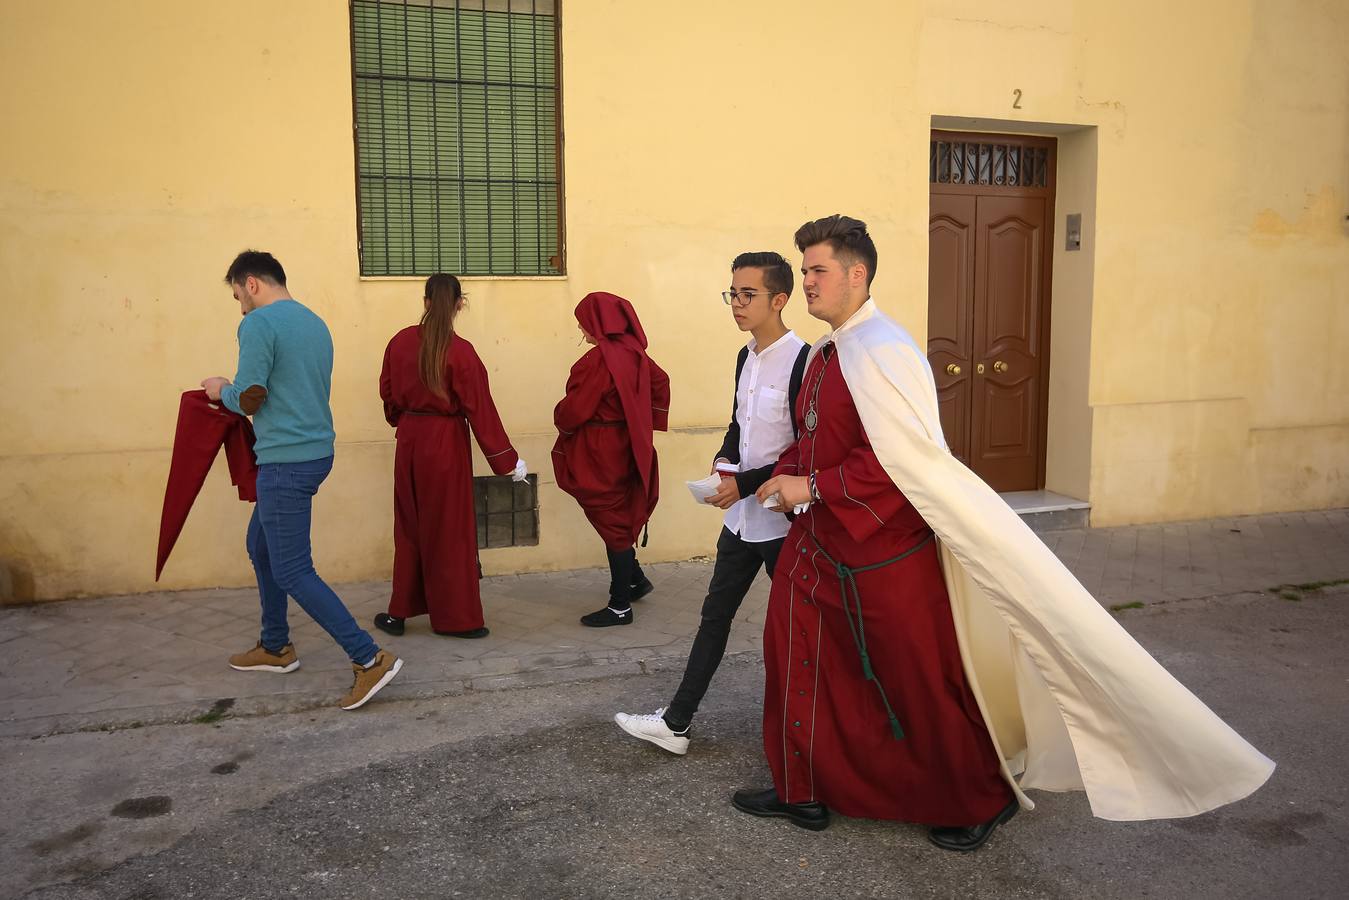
column 147, row 141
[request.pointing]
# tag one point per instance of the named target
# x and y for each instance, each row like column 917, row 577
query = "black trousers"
column 625, row 574
column 738, row 563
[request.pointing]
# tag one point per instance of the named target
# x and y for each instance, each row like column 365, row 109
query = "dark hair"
column 258, row 264
column 777, row 272
column 442, row 297
column 847, row 237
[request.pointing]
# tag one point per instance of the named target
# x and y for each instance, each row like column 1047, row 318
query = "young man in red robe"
column 867, row 710
column 435, row 389
column 604, row 456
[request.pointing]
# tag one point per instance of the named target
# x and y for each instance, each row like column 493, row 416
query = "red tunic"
column 435, row 534
column 826, row 730
column 616, row 396
column 593, row 457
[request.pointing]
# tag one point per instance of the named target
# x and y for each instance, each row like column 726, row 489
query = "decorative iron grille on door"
column 991, row 164
column 457, row 136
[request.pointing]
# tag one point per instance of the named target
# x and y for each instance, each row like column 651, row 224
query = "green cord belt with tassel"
column 846, row 581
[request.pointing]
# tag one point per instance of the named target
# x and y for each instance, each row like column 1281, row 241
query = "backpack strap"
column 730, row 444
column 794, row 386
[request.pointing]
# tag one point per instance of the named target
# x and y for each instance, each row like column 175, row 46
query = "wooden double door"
column 990, row 251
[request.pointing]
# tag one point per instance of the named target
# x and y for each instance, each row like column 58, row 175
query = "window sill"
column 465, row 279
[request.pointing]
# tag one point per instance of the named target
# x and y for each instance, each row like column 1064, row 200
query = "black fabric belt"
column 846, row 580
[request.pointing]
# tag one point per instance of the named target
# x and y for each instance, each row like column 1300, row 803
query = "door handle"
column 1000, row 366
column 952, row 369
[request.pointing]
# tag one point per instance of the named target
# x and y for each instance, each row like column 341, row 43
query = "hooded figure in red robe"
column 435, row 389
column 604, row 455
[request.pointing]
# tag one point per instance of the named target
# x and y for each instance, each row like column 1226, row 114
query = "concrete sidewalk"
column 118, row 661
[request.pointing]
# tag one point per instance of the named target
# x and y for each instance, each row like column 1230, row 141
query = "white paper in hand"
column 704, row 488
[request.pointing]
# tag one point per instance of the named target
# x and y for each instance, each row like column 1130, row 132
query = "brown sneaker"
column 260, row 659
column 369, row 681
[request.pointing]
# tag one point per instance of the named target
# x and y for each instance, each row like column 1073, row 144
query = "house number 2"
column 1016, row 104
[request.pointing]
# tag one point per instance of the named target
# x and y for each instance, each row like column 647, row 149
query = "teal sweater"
column 284, row 381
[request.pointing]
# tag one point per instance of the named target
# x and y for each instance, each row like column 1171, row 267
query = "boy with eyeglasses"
column 768, row 374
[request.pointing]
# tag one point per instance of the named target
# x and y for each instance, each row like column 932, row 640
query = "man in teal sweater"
column 283, row 382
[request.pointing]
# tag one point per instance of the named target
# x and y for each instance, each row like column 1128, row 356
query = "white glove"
column 521, row 470
column 800, row 508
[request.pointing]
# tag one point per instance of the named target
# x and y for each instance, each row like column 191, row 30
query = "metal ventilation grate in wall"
column 507, row 510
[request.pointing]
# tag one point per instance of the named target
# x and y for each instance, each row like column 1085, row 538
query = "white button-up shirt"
column 765, row 430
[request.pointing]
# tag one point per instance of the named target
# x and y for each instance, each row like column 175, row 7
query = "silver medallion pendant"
column 811, row 419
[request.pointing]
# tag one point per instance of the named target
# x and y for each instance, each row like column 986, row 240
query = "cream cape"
column 1071, row 700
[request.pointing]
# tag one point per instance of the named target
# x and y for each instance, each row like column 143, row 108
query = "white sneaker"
column 653, row 728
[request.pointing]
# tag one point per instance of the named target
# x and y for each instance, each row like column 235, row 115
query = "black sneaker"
column 389, row 624
column 608, row 616
column 642, row 588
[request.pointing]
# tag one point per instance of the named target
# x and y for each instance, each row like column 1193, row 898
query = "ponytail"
column 437, row 327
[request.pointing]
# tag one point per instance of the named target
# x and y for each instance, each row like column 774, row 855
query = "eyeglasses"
column 742, row 298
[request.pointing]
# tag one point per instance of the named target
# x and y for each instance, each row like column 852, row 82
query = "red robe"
column 616, row 396
column 203, row 427
column 827, row 733
column 435, row 533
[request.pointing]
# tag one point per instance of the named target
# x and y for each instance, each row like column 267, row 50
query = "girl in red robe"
column 434, row 388
column 604, row 456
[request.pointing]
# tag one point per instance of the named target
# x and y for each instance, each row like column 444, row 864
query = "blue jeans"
column 278, row 544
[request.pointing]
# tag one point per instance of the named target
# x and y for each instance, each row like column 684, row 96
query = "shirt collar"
column 864, row 312
column 786, row 338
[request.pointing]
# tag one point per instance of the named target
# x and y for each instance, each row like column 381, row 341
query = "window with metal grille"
column 457, row 136
column 507, row 510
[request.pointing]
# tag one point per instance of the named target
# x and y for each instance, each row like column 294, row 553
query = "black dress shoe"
column 814, row 816
column 389, row 624
column 471, row 633
column 971, row 837
column 603, row 618
column 642, row 588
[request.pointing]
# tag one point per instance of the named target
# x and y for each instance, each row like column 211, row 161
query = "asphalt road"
column 535, row 793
